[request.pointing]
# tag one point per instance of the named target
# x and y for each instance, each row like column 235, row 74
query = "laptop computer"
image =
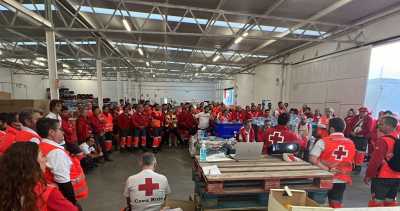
column 248, row 151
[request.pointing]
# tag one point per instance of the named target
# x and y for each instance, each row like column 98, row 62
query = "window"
column 229, row 96
column 383, row 83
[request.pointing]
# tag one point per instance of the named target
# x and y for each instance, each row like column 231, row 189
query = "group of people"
column 43, row 158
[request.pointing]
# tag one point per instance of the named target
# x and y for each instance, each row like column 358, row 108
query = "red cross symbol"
column 149, row 186
column 340, row 153
column 276, row 137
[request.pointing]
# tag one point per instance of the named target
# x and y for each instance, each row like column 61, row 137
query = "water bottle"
column 203, row 152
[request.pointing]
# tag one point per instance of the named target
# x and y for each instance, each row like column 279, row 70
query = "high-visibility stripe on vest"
column 385, row 170
column 76, row 173
column 339, row 154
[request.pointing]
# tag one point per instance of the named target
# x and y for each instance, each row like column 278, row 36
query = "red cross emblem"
column 149, row 186
column 276, row 137
column 340, row 153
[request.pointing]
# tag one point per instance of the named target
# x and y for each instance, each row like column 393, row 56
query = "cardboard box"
column 184, row 205
column 280, row 201
column 18, row 105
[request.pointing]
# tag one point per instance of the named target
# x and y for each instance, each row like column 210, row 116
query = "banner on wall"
column 229, row 95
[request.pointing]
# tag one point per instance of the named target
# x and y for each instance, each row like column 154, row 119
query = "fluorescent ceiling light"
column 65, row 66
column 39, row 63
column 126, row 24
column 66, row 71
column 203, row 68
column 80, row 71
column 196, row 74
column 147, row 64
column 238, row 40
column 216, row 58
column 154, row 75
column 140, row 51
column 41, row 59
column 245, row 34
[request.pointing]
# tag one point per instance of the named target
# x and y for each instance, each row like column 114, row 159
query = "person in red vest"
column 62, row 169
column 28, row 119
column 124, row 125
column 82, row 126
column 97, row 125
column 23, row 188
column 6, row 138
column 280, row 110
column 254, row 112
column 246, row 133
column 322, row 127
column 281, row 134
column 348, row 120
column 186, row 123
column 156, row 123
column 385, row 182
column 360, row 128
column 140, row 121
column 336, row 154
column 223, row 116
column 108, row 127
column 70, row 133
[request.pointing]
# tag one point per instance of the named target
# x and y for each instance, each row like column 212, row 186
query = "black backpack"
column 394, row 162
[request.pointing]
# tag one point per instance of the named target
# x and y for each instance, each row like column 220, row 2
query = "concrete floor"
column 107, row 182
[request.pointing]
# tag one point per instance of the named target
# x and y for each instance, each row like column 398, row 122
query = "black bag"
column 394, row 162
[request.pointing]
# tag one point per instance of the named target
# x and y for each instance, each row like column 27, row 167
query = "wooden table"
column 255, row 176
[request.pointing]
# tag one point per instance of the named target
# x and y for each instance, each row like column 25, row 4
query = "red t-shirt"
column 124, row 121
column 82, row 128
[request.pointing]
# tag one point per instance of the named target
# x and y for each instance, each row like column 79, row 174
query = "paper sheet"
column 211, row 170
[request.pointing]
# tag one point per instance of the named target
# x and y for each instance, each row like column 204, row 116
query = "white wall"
column 268, row 83
column 337, row 81
column 244, row 89
column 34, row 87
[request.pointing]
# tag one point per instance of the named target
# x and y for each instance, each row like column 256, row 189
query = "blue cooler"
column 227, row 130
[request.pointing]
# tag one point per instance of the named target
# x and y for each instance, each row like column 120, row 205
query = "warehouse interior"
column 338, row 54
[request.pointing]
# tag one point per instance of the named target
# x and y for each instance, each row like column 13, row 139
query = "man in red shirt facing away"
column 361, row 128
column 108, row 127
column 156, row 123
column 67, row 127
column 124, row 125
column 281, row 134
column 385, row 182
column 140, row 123
column 97, row 126
column 335, row 153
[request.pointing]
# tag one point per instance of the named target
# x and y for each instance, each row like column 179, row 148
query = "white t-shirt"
column 147, row 190
column 59, row 163
column 204, row 120
column 86, row 149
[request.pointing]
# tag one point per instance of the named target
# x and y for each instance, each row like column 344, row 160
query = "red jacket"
column 348, row 120
column 244, row 134
column 96, row 124
column 140, row 120
column 70, row 135
column 186, row 120
column 6, row 140
column 365, row 129
column 82, row 128
column 124, row 121
column 281, row 134
column 377, row 162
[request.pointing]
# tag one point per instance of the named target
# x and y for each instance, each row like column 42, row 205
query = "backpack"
column 394, row 162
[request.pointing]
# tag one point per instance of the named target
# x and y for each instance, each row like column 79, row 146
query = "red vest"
column 108, row 122
column 339, row 154
column 26, row 136
column 244, row 134
column 156, row 119
column 6, row 141
column 385, row 170
column 76, row 173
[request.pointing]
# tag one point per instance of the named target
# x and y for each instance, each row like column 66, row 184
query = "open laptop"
column 248, row 151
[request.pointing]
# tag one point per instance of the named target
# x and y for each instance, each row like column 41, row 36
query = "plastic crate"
column 227, row 130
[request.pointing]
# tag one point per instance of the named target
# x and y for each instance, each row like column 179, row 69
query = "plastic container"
column 226, row 130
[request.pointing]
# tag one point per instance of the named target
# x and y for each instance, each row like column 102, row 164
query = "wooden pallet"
column 257, row 176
